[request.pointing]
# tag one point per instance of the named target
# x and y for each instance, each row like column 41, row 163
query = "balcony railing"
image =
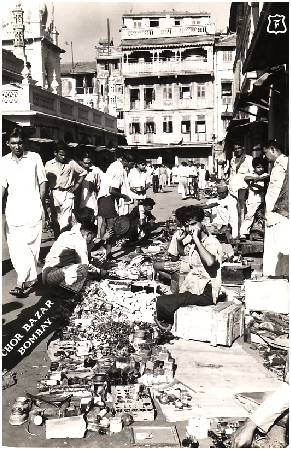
column 178, row 30
column 27, row 98
column 167, row 138
column 166, row 67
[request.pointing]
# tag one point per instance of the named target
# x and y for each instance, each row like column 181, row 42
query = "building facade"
column 110, row 83
column 168, row 70
column 79, row 83
column 31, row 91
column 260, row 75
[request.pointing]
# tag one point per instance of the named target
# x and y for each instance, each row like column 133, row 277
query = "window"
column 102, row 90
column 134, row 98
column 226, row 92
column 167, row 92
column 150, row 126
column 120, row 115
column 227, row 55
column 119, row 89
column 167, row 125
column 149, row 96
column 200, row 125
column 185, row 91
column 225, row 123
column 154, row 22
column 134, row 127
column 177, row 22
column 201, row 90
column 185, row 126
column 137, row 23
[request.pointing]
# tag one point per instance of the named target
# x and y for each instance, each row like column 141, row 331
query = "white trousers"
column 63, row 204
column 249, row 217
column 233, row 216
column 183, row 186
column 24, row 246
column 276, row 249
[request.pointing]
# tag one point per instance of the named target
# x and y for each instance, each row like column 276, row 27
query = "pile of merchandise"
column 103, row 364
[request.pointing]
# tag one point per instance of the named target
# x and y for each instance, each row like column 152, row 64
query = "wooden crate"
column 267, row 295
column 218, row 324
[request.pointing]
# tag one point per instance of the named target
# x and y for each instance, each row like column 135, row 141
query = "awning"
column 270, row 44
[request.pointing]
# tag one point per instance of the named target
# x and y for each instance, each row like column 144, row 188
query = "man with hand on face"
column 203, row 260
column 64, row 178
column 23, row 177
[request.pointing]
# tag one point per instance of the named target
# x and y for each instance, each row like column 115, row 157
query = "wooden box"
column 218, row 324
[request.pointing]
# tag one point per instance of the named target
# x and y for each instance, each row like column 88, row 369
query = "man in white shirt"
column 183, row 180
column 201, row 255
column 23, row 177
column 90, row 186
column 114, row 181
column 240, row 167
column 67, row 263
column 64, row 179
column 137, row 181
column 276, row 249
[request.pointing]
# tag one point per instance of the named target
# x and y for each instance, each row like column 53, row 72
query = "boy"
column 256, row 193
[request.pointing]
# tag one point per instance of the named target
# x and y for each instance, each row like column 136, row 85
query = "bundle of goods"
column 139, row 267
column 270, row 332
column 135, row 399
column 176, row 401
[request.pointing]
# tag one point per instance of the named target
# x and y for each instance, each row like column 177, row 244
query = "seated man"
column 67, row 263
column 203, row 281
column 142, row 219
column 220, row 211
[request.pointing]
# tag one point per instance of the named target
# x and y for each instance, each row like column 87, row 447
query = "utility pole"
column 72, row 55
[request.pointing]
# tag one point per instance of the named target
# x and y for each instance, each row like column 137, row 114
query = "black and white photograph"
column 145, row 224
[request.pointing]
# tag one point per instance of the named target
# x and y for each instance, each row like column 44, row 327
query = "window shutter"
column 130, row 128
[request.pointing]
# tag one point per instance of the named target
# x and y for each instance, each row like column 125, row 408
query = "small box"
column 267, row 295
column 218, row 324
column 232, row 273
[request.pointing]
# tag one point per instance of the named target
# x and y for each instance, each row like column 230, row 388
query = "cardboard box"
column 219, row 324
column 267, row 295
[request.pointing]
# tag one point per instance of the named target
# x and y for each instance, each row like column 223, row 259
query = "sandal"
column 18, row 292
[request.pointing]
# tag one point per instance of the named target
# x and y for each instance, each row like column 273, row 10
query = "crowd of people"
column 88, row 209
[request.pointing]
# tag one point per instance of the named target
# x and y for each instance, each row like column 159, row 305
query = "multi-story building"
column 224, row 54
column 32, row 85
column 110, row 80
column 79, row 82
column 260, row 74
column 168, row 70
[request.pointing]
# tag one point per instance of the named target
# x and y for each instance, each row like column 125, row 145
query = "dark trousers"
column 168, row 304
column 156, row 183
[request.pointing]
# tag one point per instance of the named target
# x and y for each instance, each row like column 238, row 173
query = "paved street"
column 194, row 359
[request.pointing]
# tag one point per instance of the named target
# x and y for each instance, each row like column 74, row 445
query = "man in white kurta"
column 276, row 245
column 23, row 176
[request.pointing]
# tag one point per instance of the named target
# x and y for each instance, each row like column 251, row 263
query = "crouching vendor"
column 67, row 263
column 142, row 221
column 202, row 283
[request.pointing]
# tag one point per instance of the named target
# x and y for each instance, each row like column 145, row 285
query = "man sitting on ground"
column 142, row 219
column 202, row 284
column 67, row 264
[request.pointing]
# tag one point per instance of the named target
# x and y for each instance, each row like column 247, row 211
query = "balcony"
column 25, row 100
column 166, row 67
column 158, row 32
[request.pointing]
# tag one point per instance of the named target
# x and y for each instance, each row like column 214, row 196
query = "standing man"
column 276, row 249
column 240, row 167
column 64, row 178
column 23, row 176
column 114, row 181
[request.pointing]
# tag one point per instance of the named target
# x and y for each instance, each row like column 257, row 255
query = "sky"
column 84, row 23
